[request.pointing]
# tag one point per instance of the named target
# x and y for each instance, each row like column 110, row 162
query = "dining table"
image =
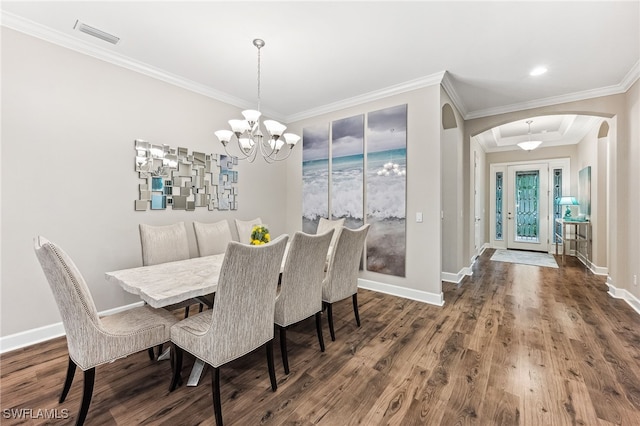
column 166, row 284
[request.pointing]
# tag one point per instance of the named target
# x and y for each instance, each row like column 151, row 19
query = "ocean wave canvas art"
column 315, row 176
column 347, row 170
column 386, row 141
column 335, row 160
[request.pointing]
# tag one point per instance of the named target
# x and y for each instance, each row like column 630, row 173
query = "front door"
column 527, row 207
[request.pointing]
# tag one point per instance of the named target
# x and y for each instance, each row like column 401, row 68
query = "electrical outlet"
column 635, row 280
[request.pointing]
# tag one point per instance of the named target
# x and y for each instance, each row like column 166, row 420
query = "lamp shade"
column 568, row 201
column 529, row 145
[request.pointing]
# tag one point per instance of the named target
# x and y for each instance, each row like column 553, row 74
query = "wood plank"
column 513, row 344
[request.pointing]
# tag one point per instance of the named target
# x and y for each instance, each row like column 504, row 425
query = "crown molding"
column 628, row 80
column 632, row 76
column 34, row 29
column 42, row 32
column 447, row 83
column 407, row 86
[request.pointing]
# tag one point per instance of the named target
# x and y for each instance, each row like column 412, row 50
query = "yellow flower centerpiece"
column 260, row 235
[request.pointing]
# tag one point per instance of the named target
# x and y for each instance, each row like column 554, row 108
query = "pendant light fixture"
column 529, row 145
column 250, row 137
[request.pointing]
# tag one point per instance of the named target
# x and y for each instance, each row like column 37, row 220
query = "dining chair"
column 244, row 228
column 212, row 238
column 166, row 243
column 325, row 224
column 341, row 280
column 240, row 321
column 91, row 340
column 300, row 295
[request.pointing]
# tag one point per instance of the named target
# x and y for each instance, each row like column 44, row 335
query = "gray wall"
column 68, row 127
column 451, row 141
column 423, row 186
column 622, row 113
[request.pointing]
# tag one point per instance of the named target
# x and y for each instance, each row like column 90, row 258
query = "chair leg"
column 177, row 368
column 272, row 370
column 152, row 355
column 319, row 330
column 283, row 349
column 330, row 318
column 89, row 379
column 215, row 390
column 71, row 370
column 355, row 308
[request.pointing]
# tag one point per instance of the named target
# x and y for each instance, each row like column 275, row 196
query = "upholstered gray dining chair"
column 244, row 228
column 325, row 224
column 212, row 238
column 166, row 243
column 91, row 340
column 241, row 319
column 341, row 280
column 300, row 295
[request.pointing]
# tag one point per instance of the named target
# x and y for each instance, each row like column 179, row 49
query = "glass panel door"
column 527, row 207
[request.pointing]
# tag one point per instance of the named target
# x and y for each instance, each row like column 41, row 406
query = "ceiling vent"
column 82, row 27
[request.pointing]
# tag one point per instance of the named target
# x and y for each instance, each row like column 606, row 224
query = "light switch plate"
column 419, row 217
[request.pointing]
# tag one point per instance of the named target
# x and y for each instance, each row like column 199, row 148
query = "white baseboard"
column 453, row 278
column 47, row 332
column 597, row 270
column 407, row 293
column 625, row 295
column 465, row 271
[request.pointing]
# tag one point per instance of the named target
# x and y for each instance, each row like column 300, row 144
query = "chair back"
column 301, row 285
column 341, row 280
column 77, row 309
column 162, row 244
column 242, row 315
column 212, row 238
column 325, row 224
column 244, row 228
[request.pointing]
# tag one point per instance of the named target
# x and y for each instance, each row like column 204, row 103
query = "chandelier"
column 529, row 145
column 250, row 137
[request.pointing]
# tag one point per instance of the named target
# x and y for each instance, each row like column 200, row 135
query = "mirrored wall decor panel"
column 173, row 178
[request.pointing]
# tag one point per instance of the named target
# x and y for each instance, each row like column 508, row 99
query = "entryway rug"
column 525, row 257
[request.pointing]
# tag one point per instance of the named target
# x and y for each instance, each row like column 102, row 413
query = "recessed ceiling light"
column 538, row 71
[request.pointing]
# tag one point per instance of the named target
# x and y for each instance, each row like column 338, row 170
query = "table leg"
column 196, row 372
column 165, row 355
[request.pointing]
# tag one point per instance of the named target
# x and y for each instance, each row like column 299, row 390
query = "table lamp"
column 568, row 201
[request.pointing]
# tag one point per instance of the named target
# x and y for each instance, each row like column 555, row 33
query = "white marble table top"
column 173, row 282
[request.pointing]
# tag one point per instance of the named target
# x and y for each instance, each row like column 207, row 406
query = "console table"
column 581, row 236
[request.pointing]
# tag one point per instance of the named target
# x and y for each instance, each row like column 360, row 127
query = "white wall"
column 68, row 127
column 422, row 279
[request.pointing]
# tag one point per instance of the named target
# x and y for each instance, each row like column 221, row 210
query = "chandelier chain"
column 259, row 79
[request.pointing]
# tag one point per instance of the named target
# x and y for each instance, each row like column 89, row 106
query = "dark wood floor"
column 514, row 344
